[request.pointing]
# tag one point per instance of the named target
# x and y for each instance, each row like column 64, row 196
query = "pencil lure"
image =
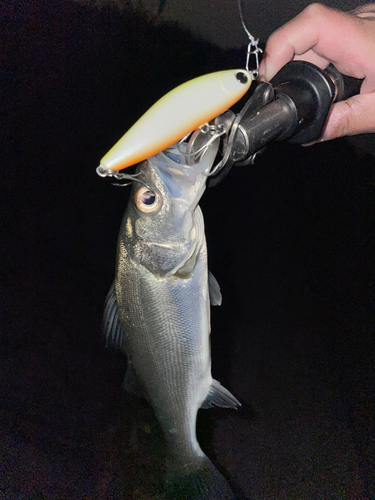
column 180, row 111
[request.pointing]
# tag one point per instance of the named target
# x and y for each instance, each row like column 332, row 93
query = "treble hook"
column 213, row 131
column 103, row 172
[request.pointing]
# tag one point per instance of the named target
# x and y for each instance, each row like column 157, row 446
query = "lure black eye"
column 146, row 200
column 242, row 77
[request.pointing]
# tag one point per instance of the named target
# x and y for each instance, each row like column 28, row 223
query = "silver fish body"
column 158, row 310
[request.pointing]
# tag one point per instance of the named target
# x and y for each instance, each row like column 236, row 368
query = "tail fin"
column 205, row 483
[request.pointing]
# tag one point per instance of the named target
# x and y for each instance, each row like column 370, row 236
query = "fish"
column 158, row 313
column 177, row 113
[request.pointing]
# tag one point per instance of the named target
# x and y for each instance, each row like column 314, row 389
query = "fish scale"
column 171, row 344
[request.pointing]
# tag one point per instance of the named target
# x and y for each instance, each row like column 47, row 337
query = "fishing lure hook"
column 228, row 149
column 102, row 172
column 214, row 131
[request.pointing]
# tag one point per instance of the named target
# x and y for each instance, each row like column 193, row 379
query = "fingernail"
column 262, row 71
column 317, row 141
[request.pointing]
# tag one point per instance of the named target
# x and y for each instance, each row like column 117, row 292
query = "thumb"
column 353, row 116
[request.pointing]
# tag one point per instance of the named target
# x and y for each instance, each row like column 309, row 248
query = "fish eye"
column 146, row 201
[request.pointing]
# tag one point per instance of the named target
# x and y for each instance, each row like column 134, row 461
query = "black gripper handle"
column 346, row 86
column 309, row 93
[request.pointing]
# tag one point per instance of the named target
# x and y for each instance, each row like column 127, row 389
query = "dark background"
column 290, row 240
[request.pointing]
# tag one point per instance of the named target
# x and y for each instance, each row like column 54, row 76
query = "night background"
column 290, row 241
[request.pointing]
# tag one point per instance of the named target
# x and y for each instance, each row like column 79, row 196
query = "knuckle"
column 316, row 11
column 347, row 117
column 314, row 8
column 342, row 121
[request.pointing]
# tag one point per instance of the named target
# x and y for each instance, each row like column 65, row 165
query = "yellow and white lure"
column 175, row 115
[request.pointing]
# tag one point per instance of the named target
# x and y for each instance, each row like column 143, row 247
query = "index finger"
column 319, row 35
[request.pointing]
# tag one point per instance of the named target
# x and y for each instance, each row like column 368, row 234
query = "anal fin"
column 214, row 290
column 219, row 396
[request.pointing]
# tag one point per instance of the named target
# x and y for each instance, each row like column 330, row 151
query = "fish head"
column 163, row 228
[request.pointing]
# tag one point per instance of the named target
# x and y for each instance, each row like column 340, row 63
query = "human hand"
column 322, row 35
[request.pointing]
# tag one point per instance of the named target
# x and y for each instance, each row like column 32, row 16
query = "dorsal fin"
column 112, row 331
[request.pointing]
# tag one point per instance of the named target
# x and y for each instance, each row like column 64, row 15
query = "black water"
column 291, row 242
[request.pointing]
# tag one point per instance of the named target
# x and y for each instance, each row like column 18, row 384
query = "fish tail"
column 203, row 483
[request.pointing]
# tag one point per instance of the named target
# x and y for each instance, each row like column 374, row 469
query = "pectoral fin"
column 214, row 289
column 219, row 396
column 112, row 331
column 115, row 338
column 131, row 383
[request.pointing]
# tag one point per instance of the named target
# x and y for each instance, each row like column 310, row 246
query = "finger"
column 314, row 58
column 367, row 10
column 316, row 28
column 351, row 117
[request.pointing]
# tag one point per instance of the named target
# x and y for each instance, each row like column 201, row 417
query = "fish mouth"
column 181, row 186
column 182, row 170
